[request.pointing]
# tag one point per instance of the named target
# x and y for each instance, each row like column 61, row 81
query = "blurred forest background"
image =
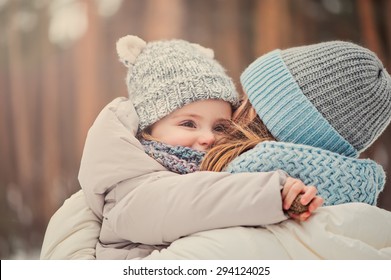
column 58, row 68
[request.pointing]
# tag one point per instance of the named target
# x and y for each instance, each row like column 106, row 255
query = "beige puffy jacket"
column 145, row 207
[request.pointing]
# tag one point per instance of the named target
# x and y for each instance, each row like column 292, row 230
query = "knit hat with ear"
column 334, row 95
column 164, row 76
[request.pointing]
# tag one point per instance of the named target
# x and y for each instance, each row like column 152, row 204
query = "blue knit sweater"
column 339, row 179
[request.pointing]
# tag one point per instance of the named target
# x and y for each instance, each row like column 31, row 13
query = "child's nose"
column 206, row 140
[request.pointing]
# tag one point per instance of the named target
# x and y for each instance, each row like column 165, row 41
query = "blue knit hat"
column 334, row 95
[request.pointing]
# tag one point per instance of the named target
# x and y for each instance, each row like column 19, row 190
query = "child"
column 325, row 103
column 181, row 96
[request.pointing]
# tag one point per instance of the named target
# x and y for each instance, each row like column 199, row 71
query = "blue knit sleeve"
column 339, row 179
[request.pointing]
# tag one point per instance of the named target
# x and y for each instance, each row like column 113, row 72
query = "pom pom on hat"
column 128, row 48
column 334, row 95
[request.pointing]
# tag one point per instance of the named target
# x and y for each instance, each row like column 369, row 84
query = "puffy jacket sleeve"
column 169, row 206
column 111, row 153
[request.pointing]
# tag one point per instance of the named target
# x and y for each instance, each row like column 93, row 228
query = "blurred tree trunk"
column 301, row 30
column 163, row 21
column 7, row 151
column 271, row 25
column 85, row 66
column 369, row 28
column 51, row 154
column 230, row 38
column 20, row 109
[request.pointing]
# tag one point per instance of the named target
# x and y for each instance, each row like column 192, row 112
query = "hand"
column 307, row 197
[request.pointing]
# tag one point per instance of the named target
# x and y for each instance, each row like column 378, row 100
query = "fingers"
column 292, row 188
column 288, row 184
column 308, row 195
column 316, row 202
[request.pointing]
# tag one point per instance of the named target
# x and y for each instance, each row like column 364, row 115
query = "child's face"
column 196, row 125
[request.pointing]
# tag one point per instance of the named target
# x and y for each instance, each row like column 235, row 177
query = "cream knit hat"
column 164, row 76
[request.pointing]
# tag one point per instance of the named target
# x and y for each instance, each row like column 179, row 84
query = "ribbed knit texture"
column 170, row 74
column 339, row 179
column 345, row 83
column 177, row 159
column 283, row 108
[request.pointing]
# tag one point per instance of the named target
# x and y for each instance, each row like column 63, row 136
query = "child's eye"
column 220, row 128
column 190, row 124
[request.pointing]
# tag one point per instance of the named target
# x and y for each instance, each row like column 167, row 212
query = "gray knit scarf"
column 177, row 159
